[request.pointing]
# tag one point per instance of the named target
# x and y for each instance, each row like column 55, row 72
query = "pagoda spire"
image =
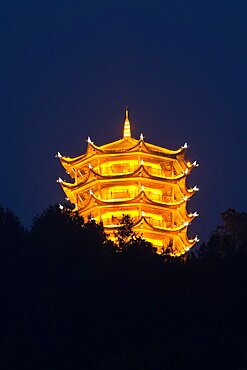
column 126, row 131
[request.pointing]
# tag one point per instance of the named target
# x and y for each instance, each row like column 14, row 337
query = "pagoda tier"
column 135, row 178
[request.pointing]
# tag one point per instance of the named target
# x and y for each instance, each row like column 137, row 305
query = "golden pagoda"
column 133, row 177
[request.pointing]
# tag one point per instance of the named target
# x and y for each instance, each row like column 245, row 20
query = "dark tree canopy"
column 129, row 242
column 12, row 233
column 71, row 299
column 229, row 240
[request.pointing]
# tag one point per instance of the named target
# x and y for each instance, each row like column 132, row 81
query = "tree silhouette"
column 128, row 241
column 56, row 224
column 229, row 240
column 234, row 229
column 12, row 234
column 124, row 234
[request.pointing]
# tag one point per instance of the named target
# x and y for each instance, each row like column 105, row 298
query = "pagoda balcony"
column 155, row 223
column 115, row 221
column 159, row 172
column 155, row 197
column 118, row 195
column 117, row 170
column 122, row 170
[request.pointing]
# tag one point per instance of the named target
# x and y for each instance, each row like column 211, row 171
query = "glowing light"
column 185, row 146
column 91, row 192
column 195, row 214
column 61, row 207
column 141, row 162
column 195, row 188
column 186, row 223
column 58, row 155
column 89, row 140
column 143, row 214
column 141, row 137
column 194, row 164
column 60, row 180
column 90, row 166
column 142, row 188
column 186, row 171
column 196, row 239
column 185, row 198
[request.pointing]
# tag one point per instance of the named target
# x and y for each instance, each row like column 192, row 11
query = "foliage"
column 125, row 234
column 70, row 300
column 229, row 240
column 234, row 228
column 12, row 233
column 130, row 243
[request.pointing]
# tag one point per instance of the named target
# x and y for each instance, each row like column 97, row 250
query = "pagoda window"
column 119, row 192
column 121, row 168
column 152, row 168
column 154, row 217
column 156, row 222
column 167, row 218
column 81, row 174
column 154, row 194
column 167, row 194
column 166, row 167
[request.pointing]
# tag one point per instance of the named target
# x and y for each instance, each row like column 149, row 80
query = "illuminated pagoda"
column 135, row 178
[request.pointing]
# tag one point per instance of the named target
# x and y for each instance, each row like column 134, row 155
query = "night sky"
column 69, row 68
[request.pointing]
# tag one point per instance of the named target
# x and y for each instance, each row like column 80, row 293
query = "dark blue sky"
column 68, row 69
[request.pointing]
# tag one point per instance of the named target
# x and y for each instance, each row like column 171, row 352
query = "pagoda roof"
column 129, row 144
column 125, row 145
column 119, row 145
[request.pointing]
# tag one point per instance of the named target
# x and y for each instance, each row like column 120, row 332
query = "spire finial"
column 126, row 114
column 126, row 132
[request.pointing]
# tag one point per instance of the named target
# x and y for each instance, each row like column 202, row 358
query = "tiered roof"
column 125, row 148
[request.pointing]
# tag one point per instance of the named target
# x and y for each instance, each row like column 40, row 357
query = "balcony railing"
column 119, row 195
column 118, row 170
column 117, row 221
column 154, row 197
column 115, row 195
column 121, row 170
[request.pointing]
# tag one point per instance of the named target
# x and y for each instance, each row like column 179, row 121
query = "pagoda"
column 133, row 177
